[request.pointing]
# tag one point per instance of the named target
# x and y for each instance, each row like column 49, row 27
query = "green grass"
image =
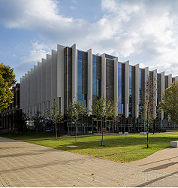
column 120, row 148
column 27, row 135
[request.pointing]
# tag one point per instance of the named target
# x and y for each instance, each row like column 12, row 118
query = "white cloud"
column 34, row 57
column 142, row 31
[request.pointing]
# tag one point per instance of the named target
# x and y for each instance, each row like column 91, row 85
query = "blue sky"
column 141, row 31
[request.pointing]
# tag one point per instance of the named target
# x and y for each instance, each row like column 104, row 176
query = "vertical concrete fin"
column 169, row 79
column 137, row 90
column 74, row 72
column 176, row 78
column 154, row 92
column 126, row 89
column 60, row 76
column 162, row 90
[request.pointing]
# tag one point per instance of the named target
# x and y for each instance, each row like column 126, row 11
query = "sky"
column 141, row 31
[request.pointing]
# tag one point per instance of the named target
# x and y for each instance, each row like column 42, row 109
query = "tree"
column 55, row 115
column 77, row 110
column 149, row 104
column 7, row 79
column 170, row 101
column 20, row 118
column 103, row 109
column 115, row 115
column 38, row 120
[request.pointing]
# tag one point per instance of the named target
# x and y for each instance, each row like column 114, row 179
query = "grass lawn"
column 119, row 148
column 28, row 135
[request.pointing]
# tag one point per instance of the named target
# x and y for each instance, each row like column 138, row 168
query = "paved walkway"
column 164, row 160
column 28, row 165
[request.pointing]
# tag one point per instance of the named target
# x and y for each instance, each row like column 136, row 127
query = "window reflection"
column 130, row 90
column 81, row 97
column 96, row 82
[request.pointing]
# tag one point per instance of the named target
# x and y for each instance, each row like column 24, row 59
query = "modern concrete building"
column 69, row 74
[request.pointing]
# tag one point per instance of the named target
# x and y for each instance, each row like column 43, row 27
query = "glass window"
column 79, row 84
column 94, row 70
column 79, row 55
column 140, row 90
column 130, row 90
column 84, row 99
column 94, row 86
column 119, row 76
column 94, row 58
column 80, row 97
column 119, row 65
column 80, row 67
column 98, row 88
column 119, row 91
column 140, row 77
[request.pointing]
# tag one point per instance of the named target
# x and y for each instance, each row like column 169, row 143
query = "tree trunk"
column 37, row 130
column 82, row 124
column 59, row 130
column 147, row 133
column 76, row 132
column 102, row 132
column 147, row 139
column 56, row 130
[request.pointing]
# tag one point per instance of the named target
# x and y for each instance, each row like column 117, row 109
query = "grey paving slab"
column 27, row 165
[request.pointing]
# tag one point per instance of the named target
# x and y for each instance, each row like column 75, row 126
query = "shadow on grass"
column 27, row 135
column 116, row 141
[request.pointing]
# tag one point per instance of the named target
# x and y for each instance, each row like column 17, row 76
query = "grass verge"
column 28, row 135
column 119, row 148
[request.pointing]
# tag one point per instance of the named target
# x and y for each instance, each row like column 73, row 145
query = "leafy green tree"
column 55, row 115
column 149, row 104
column 7, row 79
column 115, row 115
column 103, row 110
column 75, row 112
column 170, row 101
column 38, row 120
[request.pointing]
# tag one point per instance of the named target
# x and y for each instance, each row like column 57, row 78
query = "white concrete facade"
column 45, row 83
